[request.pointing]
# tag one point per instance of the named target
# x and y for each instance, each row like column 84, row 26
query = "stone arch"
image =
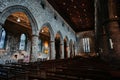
column 50, row 41
column 61, row 36
column 17, row 8
column 50, row 29
column 59, row 45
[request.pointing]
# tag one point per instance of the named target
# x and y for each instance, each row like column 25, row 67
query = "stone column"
column 34, row 51
column 73, row 50
column 76, row 51
column 68, row 49
column 96, row 24
column 52, row 49
column 114, row 31
column 62, row 50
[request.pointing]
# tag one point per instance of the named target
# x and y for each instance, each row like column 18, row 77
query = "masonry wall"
column 40, row 13
column 85, row 34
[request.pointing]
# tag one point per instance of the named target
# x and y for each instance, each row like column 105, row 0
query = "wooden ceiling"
column 79, row 14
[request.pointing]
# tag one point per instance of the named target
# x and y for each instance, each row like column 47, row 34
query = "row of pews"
column 72, row 69
column 12, row 71
column 77, row 68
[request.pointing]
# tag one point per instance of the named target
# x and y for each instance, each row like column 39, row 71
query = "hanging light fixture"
column 42, row 30
column 18, row 18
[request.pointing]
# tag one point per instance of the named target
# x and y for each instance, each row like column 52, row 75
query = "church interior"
column 59, row 39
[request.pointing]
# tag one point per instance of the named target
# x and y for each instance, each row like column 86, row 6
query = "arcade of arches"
column 36, row 32
column 17, row 41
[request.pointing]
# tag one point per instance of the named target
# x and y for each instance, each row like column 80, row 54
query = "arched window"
column 2, row 38
column 22, row 45
column 86, row 44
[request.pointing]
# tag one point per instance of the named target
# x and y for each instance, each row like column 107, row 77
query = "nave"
column 77, row 68
column 38, row 43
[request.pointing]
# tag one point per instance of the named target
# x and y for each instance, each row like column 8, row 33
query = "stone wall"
column 114, row 30
column 85, row 34
column 110, row 46
column 40, row 13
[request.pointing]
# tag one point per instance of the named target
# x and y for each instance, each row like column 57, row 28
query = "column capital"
column 35, row 35
column 52, row 41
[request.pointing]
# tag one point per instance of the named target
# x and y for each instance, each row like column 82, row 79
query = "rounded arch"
column 17, row 8
column 50, row 29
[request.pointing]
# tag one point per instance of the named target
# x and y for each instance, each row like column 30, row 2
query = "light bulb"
column 42, row 30
column 18, row 20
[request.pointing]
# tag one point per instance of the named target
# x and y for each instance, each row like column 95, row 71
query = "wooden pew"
column 5, row 74
column 12, row 72
column 67, row 69
column 77, row 74
column 76, row 69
